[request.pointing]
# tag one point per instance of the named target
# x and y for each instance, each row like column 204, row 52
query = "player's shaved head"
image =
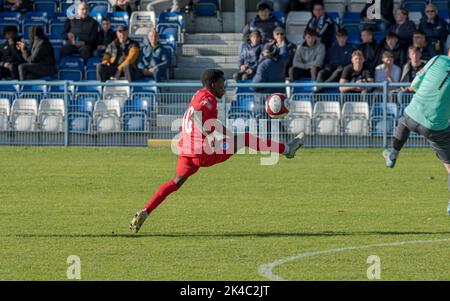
column 213, row 80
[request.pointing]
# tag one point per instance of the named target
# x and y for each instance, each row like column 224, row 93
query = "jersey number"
column 187, row 122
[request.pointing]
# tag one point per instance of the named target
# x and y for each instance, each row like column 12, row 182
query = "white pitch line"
column 266, row 270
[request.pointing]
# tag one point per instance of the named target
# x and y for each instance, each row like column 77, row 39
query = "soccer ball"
column 276, row 106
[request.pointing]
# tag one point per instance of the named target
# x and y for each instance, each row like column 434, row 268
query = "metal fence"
column 129, row 114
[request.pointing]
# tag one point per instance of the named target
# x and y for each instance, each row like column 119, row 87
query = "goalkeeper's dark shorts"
column 439, row 140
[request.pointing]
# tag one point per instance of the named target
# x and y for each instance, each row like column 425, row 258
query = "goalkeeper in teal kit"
column 428, row 113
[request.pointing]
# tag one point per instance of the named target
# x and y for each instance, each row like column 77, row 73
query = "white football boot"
column 138, row 220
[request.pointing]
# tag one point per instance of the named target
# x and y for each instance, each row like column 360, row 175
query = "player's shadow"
column 231, row 234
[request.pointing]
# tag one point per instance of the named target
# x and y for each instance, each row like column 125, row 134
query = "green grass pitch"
column 226, row 221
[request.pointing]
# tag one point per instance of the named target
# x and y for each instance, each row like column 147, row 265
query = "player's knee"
column 179, row 181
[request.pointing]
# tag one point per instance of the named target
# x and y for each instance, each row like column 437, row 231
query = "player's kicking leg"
column 400, row 137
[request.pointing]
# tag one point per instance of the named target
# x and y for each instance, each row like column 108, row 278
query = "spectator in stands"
column 80, row 34
column 120, row 53
column 302, row 5
column 10, row 56
column 39, row 58
column 270, row 70
column 368, row 47
column 403, row 27
column 414, row 65
column 123, row 5
column 105, row 37
column 392, row 44
column 337, row 57
column 388, row 71
column 264, row 21
column 21, row 6
column 287, row 49
column 368, row 14
column 435, row 28
column 153, row 62
column 420, row 41
column 309, row 57
column 356, row 72
column 249, row 57
column 322, row 24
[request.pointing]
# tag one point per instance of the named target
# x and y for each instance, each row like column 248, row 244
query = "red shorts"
column 187, row 166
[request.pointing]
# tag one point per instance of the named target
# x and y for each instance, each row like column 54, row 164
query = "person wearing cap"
column 270, row 70
column 10, row 56
column 264, row 21
column 121, row 52
column 153, row 61
column 322, row 24
column 309, row 57
column 249, row 57
column 80, row 34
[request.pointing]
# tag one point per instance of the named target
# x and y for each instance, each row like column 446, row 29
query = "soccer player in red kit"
column 197, row 146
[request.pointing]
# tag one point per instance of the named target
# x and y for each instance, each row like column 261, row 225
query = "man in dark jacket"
column 420, row 41
column 323, row 24
column 403, row 27
column 414, row 65
column 270, row 70
column 249, row 57
column 40, row 59
column 392, row 44
column 153, row 62
column 368, row 47
column 80, row 34
column 435, row 28
column 10, row 56
column 105, row 37
column 264, row 21
column 337, row 57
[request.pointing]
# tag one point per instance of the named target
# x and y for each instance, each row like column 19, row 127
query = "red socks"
column 260, row 144
column 160, row 195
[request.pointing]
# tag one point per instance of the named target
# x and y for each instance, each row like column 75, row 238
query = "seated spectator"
column 22, row 6
column 392, row 44
column 287, row 49
column 435, row 28
column 105, row 37
column 370, row 18
column 120, row 53
column 10, row 56
column 270, row 70
column 368, row 47
column 153, row 62
column 309, row 57
column 322, row 24
column 414, row 65
column 337, row 57
column 123, row 5
column 249, row 57
column 388, row 71
column 403, row 27
column 302, row 5
column 420, row 41
column 80, row 34
column 264, row 21
column 356, row 72
column 39, row 58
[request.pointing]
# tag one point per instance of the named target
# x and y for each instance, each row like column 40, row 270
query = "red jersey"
column 192, row 141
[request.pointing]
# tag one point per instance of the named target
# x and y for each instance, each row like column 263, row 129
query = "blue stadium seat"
column 33, row 91
column 48, row 6
column 415, row 5
column 170, row 23
column 376, row 118
column 354, row 39
column 118, row 18
column 9, row 91
column 80, row 115
column 351, row 18
column 10, row 18
column 206, row 8
column 280, row 16
column 303, row 93
column 91, row 68
column 71, row 68
column 102, row 7
column 149, row 88
column 97, row 16
column 444, row 14
column 135, row 112
column 35, row 18
column 56, row 25
column 335, row 17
